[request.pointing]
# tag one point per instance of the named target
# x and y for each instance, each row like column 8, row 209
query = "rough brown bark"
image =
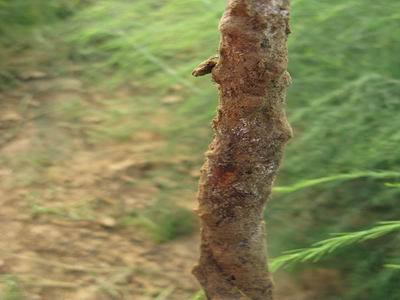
column 251, row 131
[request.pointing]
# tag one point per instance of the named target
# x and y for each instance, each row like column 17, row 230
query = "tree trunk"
column 251, row 131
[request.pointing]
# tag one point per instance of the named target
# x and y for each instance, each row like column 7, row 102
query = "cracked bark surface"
column 251, row 131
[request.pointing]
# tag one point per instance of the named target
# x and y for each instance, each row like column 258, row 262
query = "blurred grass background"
column 343, row 105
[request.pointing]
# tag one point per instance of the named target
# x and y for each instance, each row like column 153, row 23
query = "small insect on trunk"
column 251, row 131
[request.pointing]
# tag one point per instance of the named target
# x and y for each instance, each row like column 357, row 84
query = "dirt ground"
column 61, row 197
column 60, row 236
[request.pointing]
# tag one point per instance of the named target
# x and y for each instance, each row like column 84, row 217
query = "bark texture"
column 251, row 131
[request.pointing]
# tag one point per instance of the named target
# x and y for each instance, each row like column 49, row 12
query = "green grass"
column 10, row 288
column 161, row 222
column 24, row 25
column 198, row 296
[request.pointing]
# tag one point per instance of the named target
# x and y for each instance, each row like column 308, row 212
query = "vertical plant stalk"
column 251, row 131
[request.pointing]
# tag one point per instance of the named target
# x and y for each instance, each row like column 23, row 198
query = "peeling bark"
column 251, row 131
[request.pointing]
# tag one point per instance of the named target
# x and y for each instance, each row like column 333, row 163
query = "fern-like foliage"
column 394, row 185
column 391, row 266
column 324, row 247
column 339, row 177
